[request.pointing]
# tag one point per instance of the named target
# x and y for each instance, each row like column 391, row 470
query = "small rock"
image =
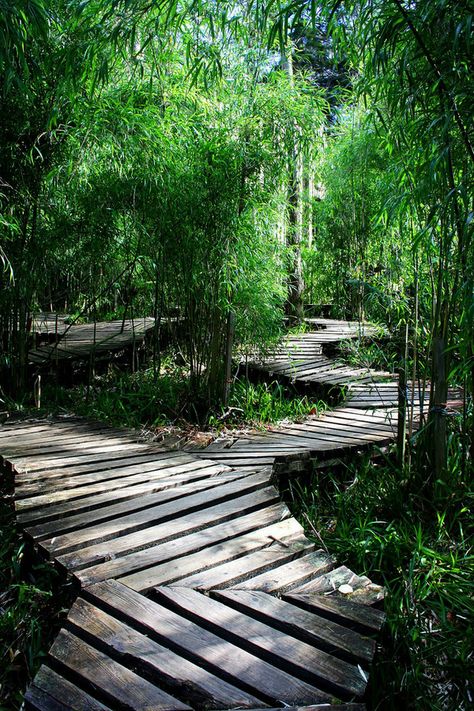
column 346, row 589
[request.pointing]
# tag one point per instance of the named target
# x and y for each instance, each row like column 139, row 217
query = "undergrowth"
column 141, row 399
column 420, row 548
column 364, row 353
column 127, row 399
column 262, row 403
column 29, row 608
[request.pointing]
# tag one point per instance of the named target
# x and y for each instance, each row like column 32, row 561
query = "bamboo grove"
column 229, row 162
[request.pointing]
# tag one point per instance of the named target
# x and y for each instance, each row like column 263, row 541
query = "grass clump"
column 29, row 606
column 265, row 403
column 143, row 400
column 127, row 399
column 420, row 549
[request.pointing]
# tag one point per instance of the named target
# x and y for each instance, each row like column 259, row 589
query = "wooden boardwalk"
column 79, row 342
column 301, row 358
column 197, row 589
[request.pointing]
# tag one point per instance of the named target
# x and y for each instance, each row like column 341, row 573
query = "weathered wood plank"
column 145, row 485
column 343, row 611
column 66, row 494
column 182, row 508
column 82, row 340
column 264, row 534
column 145, row 459
column 52, row 692
column 331, row 581
column 287, row 576
column 175, row 674
column 307, row 626
column 109, row 512
column 204, row 648
column 161, row 468
column 99, row 452
column 149, row 562
column 245, row 568
column 117, row 683
column 276, row 647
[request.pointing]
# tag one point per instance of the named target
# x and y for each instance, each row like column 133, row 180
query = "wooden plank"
column 291, row 574
column 170, row 530
column 323, row 426
column 149, row 561
column 79, row 341
column 186, row 505
column 246, row 567
column 117, row 684
column 300, row 623
column 276, row 647
column 76, row 522
column 66, row 494
column 36, row 433
column 212, row 555
column 307, row 439
column 145, row 460
column 161, row 468
column 343, row 611
column 174, row 673
column 96, row 500
column 51, row 692
column 26, row 463
column 256, row 457
column 25, row 427
column 47, row 441
column 198, row 645
column 243, row 461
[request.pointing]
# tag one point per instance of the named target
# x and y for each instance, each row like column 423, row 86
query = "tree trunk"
column 437, row 417
column 295, row 308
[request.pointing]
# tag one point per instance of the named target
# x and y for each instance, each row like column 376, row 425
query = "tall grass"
column 29, row 607
column 139, row 399
column 271, row 402
column 382, row 522
column 128, row 399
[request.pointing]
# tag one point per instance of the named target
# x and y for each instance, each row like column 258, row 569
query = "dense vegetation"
column 227, row 163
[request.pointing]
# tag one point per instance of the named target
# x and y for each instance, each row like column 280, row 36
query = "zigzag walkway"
column 197, row 589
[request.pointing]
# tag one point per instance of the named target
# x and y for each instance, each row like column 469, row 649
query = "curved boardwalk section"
column 197, row 589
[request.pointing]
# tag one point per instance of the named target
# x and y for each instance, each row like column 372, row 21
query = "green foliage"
column 26, row 610
column 270, row 402
column 363, row 353
column 421, row 551
column 133, row 400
